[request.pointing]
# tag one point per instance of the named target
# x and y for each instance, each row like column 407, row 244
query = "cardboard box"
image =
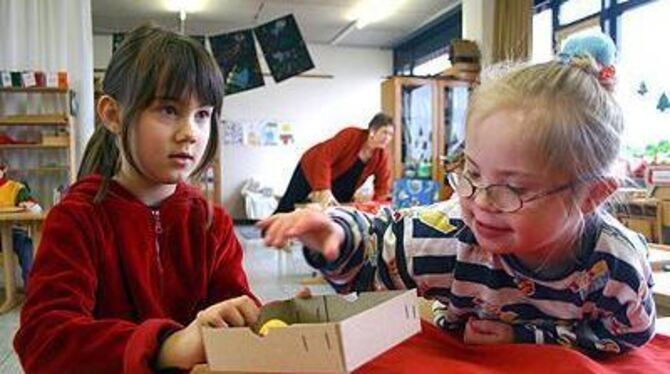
column 325, row 334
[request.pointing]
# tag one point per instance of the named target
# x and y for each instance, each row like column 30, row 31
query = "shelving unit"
column 429, row 115
column 38, row 117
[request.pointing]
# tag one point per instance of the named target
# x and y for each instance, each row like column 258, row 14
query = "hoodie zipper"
column 158, row 229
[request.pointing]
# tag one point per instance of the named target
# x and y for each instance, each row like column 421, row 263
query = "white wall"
column 316, row 107
column 478, row 18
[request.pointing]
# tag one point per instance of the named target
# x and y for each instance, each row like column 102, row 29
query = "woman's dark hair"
column 380, row 120
column 152, row 63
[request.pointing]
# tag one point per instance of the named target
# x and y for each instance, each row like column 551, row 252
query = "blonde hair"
column 571, row 118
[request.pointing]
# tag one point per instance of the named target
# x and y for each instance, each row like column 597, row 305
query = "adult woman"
column 331, row 171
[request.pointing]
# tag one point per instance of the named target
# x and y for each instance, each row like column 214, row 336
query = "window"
column 574, row 10
column 433, row 66
column 542, row 49
column 643, row 74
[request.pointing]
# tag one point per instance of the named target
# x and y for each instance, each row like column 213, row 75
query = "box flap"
column 374, row 331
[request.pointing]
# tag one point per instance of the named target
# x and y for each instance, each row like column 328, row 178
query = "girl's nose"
column 482, row 199
column 186, row 131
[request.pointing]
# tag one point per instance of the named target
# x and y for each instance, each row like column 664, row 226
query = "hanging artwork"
column 233, row 133
column 117, row 39
column 663, row 103
column 235, row 53
column 286, row 134
column 266, row 133
column 284, row 48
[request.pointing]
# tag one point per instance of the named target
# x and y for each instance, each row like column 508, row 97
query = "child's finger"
column 232, row 316
column 305, row 293
column 485, row 326
column 249, row 311
column 331, row 248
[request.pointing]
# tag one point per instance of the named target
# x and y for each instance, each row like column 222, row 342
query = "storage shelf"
column 35, row 89
column 50, row 169
column 35, row 120
column 32, row 146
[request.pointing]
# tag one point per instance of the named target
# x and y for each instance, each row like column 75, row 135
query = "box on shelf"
column 63, row 140
column 325, row 334
column 5, row 79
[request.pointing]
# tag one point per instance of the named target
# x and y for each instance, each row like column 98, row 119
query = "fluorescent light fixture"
column 370, row 11
column 186, row 6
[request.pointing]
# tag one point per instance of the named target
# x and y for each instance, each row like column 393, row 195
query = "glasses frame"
column 455, row 180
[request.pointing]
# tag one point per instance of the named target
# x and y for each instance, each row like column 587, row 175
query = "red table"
column 434, row 351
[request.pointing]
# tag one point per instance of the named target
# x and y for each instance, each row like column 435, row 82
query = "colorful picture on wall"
column 235, row 53
column 284, row 48
column 233, row 132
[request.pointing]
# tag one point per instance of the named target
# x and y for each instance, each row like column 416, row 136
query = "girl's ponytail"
column 100, row 157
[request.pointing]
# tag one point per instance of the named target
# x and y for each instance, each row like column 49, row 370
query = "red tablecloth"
column 434, row 351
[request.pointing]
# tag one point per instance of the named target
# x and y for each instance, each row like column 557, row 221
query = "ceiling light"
column 186, row 6
column 370, row 11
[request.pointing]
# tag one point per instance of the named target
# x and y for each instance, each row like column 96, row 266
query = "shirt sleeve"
column 58, row 332
column 228, row 278
column 392, row 250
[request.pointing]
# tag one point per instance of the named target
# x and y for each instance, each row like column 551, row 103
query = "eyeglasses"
column 503, row 197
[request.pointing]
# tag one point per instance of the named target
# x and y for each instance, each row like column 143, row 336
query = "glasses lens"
column 464, row 187
column 504, row 198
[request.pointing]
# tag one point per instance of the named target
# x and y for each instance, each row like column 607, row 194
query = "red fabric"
column 326, row 161
column 101, row 292
column 434, row 351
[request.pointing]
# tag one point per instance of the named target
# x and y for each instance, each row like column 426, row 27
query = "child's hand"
column 312, row 227
column 184, row 348
column 481, row 331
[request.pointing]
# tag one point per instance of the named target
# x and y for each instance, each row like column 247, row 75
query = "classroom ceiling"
column 320, row 21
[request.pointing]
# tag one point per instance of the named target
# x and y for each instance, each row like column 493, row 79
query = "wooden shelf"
column 35, row 89
column 32, row 146
column 50, row 169
column 35, row 120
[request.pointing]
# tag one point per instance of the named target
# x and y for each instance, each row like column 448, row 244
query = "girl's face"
column 169, row 139
column 381, row 137
column 496, row 153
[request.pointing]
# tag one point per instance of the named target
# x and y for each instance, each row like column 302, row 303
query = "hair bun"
column 594, row 53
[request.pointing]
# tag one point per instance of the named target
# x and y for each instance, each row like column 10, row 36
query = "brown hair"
column 152, row 62
column 380, row 120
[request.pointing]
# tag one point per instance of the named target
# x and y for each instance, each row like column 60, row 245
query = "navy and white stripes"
column 604, row 304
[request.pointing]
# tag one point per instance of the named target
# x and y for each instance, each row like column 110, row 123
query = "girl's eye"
column 203, row 115
column 473, row 175
column 169, row 110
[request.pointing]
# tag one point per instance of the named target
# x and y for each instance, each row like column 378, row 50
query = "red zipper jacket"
column 111, row 278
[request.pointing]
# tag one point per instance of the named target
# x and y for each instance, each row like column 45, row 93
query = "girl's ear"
column 597, row 192
column 110, row 113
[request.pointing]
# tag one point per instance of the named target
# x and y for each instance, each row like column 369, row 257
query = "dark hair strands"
column 152, row 63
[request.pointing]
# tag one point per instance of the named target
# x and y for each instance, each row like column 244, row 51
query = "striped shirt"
column 603, row 303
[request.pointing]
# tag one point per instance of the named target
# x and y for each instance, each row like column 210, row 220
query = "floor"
column 272, row 274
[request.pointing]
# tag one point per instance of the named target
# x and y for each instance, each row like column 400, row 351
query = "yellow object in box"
column 63, row 140
column 271, row 324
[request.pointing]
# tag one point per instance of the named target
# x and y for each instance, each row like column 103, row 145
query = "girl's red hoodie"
column 111, row 278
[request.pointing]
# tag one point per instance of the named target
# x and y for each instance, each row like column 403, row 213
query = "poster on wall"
column 257, row 133
column 233, row 132
column 235, row 53
column 284, row 48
